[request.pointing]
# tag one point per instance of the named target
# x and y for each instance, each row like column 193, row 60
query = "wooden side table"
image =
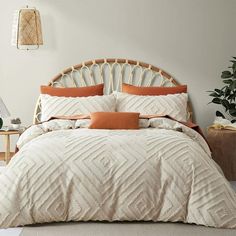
column 223, row 145
column 8, row 154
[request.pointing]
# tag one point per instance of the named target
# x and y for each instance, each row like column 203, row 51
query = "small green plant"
column 16, row 121
column 1, row 122
column 226, row 96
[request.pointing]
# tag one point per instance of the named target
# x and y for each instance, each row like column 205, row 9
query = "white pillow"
column 69, row 106
column 174, row 105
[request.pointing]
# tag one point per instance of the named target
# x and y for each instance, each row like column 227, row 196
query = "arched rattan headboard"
column 111, row 72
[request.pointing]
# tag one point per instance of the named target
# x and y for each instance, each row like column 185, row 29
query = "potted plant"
column 226, row 96
column 16, row 123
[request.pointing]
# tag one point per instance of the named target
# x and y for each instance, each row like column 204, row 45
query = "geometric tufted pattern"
column 81, row 175
column 173, row 105
column 60, row 106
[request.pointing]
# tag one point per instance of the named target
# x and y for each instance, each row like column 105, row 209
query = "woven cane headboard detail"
column 111, row 72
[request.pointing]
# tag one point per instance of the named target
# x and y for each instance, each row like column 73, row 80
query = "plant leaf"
column 216, row 100
column 219, row 91
column 227, row 81
column 216, row 95
column 226, row 74
column 219, row 114
column 227, row 91
column 232, row 106
column 232, row 96
column 232, row 112
column 225, row 103
column 232, row 86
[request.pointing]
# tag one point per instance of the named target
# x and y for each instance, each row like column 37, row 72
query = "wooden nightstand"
column 223, row 145
column 8, row 154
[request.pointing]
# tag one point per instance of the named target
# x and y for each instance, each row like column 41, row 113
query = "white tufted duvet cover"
column 154, row 174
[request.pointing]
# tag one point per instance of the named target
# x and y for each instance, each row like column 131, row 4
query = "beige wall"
column 191, row 39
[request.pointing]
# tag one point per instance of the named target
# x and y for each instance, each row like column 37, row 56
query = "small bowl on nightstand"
column 15, row 126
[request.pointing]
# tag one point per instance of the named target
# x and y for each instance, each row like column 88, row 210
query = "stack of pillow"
column 120, row 110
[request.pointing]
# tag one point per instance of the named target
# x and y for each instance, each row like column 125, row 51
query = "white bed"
column 160, row 173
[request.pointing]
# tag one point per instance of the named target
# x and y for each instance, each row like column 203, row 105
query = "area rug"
column 124, row 229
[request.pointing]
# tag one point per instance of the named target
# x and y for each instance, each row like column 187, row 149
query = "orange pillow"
column 114, row 120
column 73, row 92
column 131, row 89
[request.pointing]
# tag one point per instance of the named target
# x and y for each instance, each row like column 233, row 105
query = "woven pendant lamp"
column 27, row 31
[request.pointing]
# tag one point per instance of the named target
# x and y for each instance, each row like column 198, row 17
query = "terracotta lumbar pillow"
column 73, row 92
column 131, row 89
column 114, row 120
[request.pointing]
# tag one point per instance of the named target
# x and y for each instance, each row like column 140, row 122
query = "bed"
column 65, row 171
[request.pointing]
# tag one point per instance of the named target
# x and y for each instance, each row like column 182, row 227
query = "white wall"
column 191, row 39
